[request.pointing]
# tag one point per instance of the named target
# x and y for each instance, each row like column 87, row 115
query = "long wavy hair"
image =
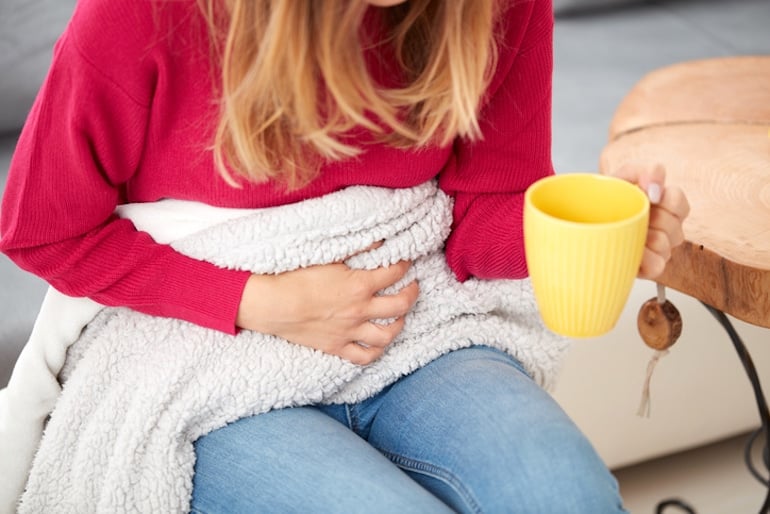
column 295, row 82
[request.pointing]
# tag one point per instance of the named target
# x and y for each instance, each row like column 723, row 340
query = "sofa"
column 699, row 393
column 28, row 30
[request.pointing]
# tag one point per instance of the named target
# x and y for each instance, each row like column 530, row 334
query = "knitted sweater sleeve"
column 488, row 178
column 80, row 145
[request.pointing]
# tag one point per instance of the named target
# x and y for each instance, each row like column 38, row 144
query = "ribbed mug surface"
column 584, row 237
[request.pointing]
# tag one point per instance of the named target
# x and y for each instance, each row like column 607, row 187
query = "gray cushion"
column 20, row 299
column 28, row 31
column 20, row 292
column 571, row 6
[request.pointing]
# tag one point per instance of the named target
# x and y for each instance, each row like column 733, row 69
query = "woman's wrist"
column 256, row 299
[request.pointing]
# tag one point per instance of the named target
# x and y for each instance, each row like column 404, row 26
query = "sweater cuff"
column 488, row 241
column 204, row 294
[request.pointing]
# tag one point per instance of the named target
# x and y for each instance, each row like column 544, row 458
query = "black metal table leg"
column 751, row 371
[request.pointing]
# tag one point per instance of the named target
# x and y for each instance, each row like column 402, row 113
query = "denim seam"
column 349, row 415
column 438, row 473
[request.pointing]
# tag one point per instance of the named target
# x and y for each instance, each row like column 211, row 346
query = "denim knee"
column 485, row 438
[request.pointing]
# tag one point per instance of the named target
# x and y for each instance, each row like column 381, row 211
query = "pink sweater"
column 126, row 114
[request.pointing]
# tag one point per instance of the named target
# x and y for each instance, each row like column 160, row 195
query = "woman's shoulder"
column 127, row 26
column 519, row 17
column 127, row 41
column 521, row 25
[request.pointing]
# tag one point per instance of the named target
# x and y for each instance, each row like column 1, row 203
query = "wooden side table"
column 708, row 123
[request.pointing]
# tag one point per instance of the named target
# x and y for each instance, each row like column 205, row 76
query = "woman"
column 245, row 104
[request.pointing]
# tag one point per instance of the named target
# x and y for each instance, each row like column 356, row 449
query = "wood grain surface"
column 712, row 91
column 714, row 142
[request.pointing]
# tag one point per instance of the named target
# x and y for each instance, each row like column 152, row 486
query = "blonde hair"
column 294, row 80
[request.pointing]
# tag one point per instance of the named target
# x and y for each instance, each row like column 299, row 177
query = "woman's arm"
column 82, row 143
column 488, row 178
column 79, row 149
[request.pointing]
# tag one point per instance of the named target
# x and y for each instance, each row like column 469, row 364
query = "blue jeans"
column 469, row 432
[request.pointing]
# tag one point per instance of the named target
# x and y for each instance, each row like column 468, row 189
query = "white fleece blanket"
column 138, row 390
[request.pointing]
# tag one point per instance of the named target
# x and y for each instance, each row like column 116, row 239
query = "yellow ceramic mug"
column 584, row 236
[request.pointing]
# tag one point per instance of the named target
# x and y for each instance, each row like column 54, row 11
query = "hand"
column 329, row 308
column 668, row 209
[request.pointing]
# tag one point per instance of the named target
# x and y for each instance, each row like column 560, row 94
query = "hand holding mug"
column 668, row 210
column 587, row 237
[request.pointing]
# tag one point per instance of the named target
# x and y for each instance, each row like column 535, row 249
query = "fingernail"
column 654, row 193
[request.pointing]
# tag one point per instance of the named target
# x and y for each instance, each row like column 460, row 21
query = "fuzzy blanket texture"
column 138, row 390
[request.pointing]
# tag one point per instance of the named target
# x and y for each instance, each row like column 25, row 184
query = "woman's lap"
column 470, row 427
column 299, row 460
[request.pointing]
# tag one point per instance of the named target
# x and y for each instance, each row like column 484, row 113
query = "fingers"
column 359, row 340
column 379, row 335
column 651, row 180
column 386, row 276
column 675, row 202
column 385, row 307
column 374, row 339
column 652, row 265
column 659, row 243
column 371, row 338
column 669, row 207
column 664, row 221
column 665, row 231
column 393, row 306
column 359, row 354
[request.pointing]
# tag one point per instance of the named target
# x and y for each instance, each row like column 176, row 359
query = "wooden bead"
column 659, row 324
